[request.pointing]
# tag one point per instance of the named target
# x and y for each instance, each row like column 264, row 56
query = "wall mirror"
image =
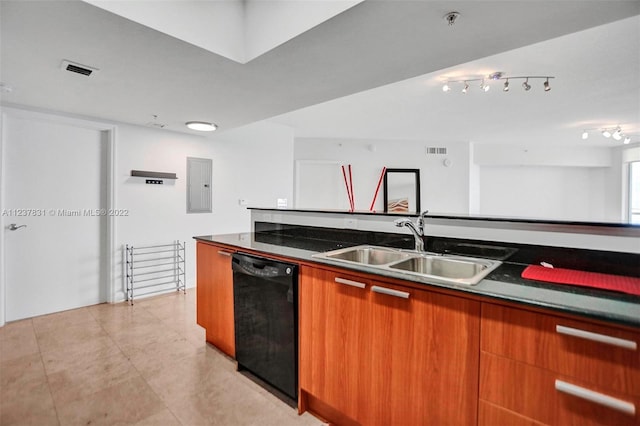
column 402, row 191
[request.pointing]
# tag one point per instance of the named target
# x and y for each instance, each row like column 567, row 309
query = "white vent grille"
column 434, row 150
column 77, row 68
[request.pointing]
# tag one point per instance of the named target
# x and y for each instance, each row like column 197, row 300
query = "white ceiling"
column 144, row 72
column 596, row 85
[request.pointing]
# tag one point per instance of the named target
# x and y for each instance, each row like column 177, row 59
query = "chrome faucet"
column 417, row 229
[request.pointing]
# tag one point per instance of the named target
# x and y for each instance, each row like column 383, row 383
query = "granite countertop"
column 505, row 283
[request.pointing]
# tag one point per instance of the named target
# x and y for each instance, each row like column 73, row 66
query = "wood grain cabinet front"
column 214, row 294
column 557, row 370
column 374, row 353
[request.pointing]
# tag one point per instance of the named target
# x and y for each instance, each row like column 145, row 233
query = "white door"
column 55, row 184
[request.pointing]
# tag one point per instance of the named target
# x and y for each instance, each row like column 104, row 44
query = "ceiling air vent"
column 78, row 68
column 432, row 150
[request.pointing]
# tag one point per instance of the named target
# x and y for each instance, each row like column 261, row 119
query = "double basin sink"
column 434, row 267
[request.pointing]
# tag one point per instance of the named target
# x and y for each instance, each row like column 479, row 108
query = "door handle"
column 14, row 227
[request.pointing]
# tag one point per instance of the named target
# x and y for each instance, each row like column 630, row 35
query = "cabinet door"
column 334, row 344
column 425, row 357
column 215, row 296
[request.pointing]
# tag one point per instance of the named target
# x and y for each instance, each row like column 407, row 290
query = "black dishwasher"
column 265, row 301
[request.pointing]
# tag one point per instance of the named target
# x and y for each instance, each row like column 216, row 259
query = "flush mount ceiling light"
column 496, row 76
column 608, row 132
column 201, row 126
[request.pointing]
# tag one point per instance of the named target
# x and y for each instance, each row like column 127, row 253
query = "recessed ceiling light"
column 201, row 126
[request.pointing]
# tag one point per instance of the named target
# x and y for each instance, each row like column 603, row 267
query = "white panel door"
column 55, row 182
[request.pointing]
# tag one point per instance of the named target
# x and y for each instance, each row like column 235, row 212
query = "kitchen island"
column 505, row 351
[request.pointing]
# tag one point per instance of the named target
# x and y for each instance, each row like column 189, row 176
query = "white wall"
column 253, row 162
column 563, row 183
column 443, row 189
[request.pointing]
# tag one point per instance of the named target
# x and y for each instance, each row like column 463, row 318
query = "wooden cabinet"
column 373, row 353
column 557, row 371
column 214, row 293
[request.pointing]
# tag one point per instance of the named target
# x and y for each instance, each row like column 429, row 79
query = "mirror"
column 402, row 191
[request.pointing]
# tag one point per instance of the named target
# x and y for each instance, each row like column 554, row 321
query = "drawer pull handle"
column 602, row 338
column 351, row 283
column 598, row 398
column 390, row 292
column 224, row 253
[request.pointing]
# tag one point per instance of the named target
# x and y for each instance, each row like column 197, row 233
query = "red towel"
column 620, row 283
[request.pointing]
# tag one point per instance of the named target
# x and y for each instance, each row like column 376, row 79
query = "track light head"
column 465, row 89
column 547, row 87
column 585, row 135
column 526, row 85
column 484, row 87
column 446, row 87
column 506, row 86
column 627, row 140
column 617, row 135
column 606, row 133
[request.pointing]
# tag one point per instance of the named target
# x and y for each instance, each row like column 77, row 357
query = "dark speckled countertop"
column 505, row 283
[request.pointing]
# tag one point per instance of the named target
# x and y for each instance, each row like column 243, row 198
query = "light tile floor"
column 146, row 364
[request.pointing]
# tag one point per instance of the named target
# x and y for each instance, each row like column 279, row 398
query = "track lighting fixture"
column 609, row 132
column 485, row 85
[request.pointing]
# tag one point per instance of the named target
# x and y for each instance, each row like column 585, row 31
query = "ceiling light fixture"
column 617, row 135
column 448, row 84
column 201, row 126
column 609, row 132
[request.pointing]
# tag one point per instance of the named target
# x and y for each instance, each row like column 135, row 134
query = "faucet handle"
column 424, row 213
column 400, row 222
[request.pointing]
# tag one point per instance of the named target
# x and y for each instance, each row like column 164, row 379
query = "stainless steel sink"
column 436, row 268
column 450, row 269
column 368, row 255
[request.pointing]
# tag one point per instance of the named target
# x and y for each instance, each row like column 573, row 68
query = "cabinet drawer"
column 605, row 356
column 551, row 398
